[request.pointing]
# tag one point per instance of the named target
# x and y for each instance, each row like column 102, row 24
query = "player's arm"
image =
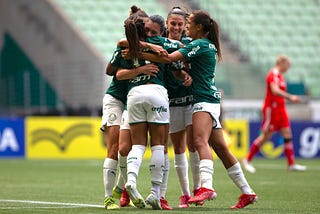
column 175, row 56
column 145, row 45
column 110, row 69
column 149, row 69
column 183, row 76
column 279, row 92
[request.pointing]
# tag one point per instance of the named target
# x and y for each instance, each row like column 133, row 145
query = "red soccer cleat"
column 164, row 204
column 245, row 200
column 200, row 203
column 184, row 201
column 124, row 199
column 203, row 194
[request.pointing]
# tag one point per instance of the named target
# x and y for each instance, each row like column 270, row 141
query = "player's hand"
column 158, row 50
column 295, row 99
column 125, row 53
column 187, row 81
column 149, row 69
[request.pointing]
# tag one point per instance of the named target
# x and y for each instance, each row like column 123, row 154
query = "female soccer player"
column 148, row 110
column 202, row 53
column 113, row 106
column 275, row 116
column 180, row 127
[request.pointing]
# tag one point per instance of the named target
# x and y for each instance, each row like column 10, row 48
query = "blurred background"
column 54, row 52
column 53, row 55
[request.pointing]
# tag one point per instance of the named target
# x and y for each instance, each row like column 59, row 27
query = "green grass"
column 80, row 181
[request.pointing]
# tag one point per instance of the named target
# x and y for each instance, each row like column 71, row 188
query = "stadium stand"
column 264, row 29
column 102, row 21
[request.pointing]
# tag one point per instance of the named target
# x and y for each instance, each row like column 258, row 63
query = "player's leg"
column 202, row 127
column 178, row 137
column 111, row 120
column 254, row 149
column 166, row 168
column 138, row 134
column 181, row 165
column 193, row 153
column 158, row 133
column 124, row 149
column 289, row 150
column 233, row 168
column 110, row 165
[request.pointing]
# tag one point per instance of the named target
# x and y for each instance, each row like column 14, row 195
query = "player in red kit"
column 275, row 116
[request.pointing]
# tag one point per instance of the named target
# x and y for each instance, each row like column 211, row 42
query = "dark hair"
column 160, row 21
column 178, row 11
column 136, row 10
column 210, row 27
column 134, row 30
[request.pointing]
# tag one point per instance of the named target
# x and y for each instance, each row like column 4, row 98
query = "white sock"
column 134, row 160
column 164, row 183
column 194, row 165
column 206, row 173
column 156, row 166
column 122, row 176
column 109, row 175
column 236, row 174
column 181, row 166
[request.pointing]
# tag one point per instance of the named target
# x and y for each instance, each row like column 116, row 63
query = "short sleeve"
column 116, row 57
column 192, row 50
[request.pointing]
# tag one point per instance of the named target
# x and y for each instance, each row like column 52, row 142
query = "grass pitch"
column 75, row 186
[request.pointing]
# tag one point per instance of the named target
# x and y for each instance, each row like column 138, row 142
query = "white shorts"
column 213, row 109
column 111, row 112
column 180, row 118
column 124, row 121
column 148, row 103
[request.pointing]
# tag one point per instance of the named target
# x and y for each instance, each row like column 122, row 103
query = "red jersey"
column 271, row 100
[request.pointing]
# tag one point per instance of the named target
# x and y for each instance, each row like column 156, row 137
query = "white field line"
column 282, row 166
column 52, row 203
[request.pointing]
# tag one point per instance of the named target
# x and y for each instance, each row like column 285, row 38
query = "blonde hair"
column 281, row 59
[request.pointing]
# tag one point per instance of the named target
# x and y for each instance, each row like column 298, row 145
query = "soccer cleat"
column 297, row 167
column 153, row 201
column 135, row 196
column 124, row 199
column 110, row 204
column 164, row 204
column 184, row 201
column 248, row 166
column 200, row 203
column 245, row 200
column 116, row 192
column 203, row 194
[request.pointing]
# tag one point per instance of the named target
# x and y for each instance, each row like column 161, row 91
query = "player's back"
column 272, row 100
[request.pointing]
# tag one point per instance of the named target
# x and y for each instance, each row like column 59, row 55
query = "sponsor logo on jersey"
column 193, row 51
column 181, row 100
column 140, row 78
column 159, row 109
column 171, row 45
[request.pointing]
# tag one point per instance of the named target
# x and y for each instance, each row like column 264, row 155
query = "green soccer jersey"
column 202, row 54
column 179, row 95
column 118, row 88
column 159, row 79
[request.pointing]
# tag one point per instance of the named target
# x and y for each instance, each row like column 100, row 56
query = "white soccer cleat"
column 153, row 201
column 135, row 196
column 248, row 166
column 297, row 167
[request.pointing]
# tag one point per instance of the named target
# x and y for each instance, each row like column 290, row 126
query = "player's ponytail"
column 134, row 30
column 210, row 29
